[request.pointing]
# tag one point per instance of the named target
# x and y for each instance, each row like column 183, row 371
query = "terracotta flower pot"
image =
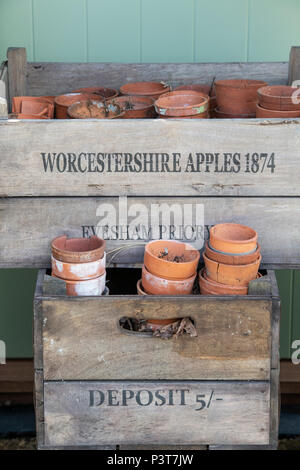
column 78, row 271
column 221, row 115
column 209, row 287
column 77, row 250
column 278, row 97
column 238, row 96
column 106, row 93
column 195, row 116
column 91, row 109
column 135, row 107
column 229, row 258
column 233, row 275
column 203, row 89
column 94, row 286
column 150, row 89
column 155, row 285
column 140, row 289
column 177, row 104
column 170, row 259
column 33, row 105
column 26, row 116
column 272, row 113
column 157, row 324
column 63, row 102
column 233, row 238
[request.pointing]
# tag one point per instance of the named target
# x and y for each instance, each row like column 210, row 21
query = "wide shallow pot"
column 194, row 116
column 229, row 258
column 91, row 109
column 33, row 105
column 177, row 104
column 78, row 271
column 155, row 285
column 233, row 238
column 63, row 102
column 211, row 92
column 279, row 97
column 233, row 275
column 221, row 115
column 77, row 250
column 107, row 93
column 238, row 96
column 135, row 107
column 272, row 113
column 170, row 259
column 94, row 286
column 150, row 89
column 209, row 287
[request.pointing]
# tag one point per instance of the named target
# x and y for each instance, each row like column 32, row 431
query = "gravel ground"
column 29, row 443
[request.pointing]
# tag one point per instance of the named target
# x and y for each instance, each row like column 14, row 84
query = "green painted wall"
column 143, row 31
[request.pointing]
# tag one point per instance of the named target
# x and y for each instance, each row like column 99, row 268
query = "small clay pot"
column 107, row 93
column 150, row 89
column 209, row 287
column 78, row 271
column 211, row 92
column 63, row 102
column 233, row 238
column 94, row 286
column 91, row 109
column 229, row 258
column 221, row 115
column 26, row 116
column 272, row 113
column 233, row 275
column 279, row 98
column 155, row 285
column 195, row 116
column 177, row 104
column 140, row 289
column 238, row 96
column 77, row 250
column 180, row 262
column 33, row 105
column 135, row 107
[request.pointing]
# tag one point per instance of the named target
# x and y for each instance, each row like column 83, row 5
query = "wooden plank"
column 238, row 347
column 74, row 416
column 294, row 64
column 150, row 158
column 27, row 225
column 37, row 322
column 16, row 376
column 289, row 372
column 53, row 78
column 17, row 67
column 39, row 406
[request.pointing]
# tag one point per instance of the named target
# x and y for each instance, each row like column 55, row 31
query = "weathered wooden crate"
column 54, row 178
column 100, row 385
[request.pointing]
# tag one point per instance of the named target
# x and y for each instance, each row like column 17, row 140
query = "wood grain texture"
column 241, row 417
column 79, row 153
column 39, row 406
column 82, row 339
column 17, row 69
column 47, row 78
column 294, row 65
column 27, row 225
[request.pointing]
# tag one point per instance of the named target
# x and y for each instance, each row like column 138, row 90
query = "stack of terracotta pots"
column 232, row 258
column 183, row 104
column 150, row 89
column 63, row 102
column 80, row 262
column 237, row 98
column 208, row 90
column 33, row 107
column 278, row 101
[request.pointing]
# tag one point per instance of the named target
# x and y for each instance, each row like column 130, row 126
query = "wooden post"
column 17, row 68
column 294, row 64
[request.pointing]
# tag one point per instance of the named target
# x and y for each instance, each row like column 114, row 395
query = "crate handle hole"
column 136, row 327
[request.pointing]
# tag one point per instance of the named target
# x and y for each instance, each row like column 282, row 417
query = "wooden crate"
column 99, row 385
column 53, row 179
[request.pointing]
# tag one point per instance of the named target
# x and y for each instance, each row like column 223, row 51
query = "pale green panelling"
column 16, row 26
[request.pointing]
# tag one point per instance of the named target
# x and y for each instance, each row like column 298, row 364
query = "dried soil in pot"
column 209, row 287
column 170, row 259
column 107, row 93
column 233, row 275
column 63, row 102
column 278, row 97
column 220, row 115
column 91, row 109
column 229, row 258
column 135, row 107
column 238, row 96
column 272, row 113
column 150, row 89
column 177, row 104
column 158, row 286
column 233, row 238
column 77, row 250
